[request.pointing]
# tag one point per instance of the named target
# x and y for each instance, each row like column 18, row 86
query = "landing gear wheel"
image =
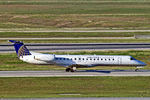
column 68, row 69
column 71, row 70
column 136, row 70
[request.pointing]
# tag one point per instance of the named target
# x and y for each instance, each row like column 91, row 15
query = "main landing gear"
column 138, row 67
column 71, row 69
column 136, row 70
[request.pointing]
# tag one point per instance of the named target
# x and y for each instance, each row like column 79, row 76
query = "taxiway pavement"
column 47, row 47
column 62, row 73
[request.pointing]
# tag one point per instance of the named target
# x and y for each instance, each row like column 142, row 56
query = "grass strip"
column 85, row 86
column 84, row 41
column 67, row 34
column 74, row 7
column 75, row 13
column 103, row 21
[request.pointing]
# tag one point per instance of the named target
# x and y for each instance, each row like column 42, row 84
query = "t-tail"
column 20, row 48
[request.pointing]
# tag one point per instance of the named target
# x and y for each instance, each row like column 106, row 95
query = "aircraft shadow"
column 98, row 71
column 109, row 71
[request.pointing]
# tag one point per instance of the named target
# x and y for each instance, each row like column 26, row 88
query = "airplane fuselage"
column 74, row 61
column 82, row 60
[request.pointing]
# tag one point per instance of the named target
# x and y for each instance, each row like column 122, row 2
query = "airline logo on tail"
column 20, row 48
column 23, row 51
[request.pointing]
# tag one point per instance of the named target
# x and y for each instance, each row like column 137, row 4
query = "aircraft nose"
column 141, row 63
column 144, row 64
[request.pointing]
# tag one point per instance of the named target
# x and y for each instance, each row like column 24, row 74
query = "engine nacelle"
column 44, row 57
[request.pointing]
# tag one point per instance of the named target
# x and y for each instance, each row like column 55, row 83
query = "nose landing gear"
column 138, row 67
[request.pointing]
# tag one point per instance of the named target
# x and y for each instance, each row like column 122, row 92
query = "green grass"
column 68, row 34
column 74, row 7
column 11, row 62
column 86, row 86
column 91, row 41
column 75, row 21
column 130, row 14
column 84, row 41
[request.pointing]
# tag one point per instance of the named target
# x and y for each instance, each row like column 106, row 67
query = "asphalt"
column 47, row 47
column 116, row 98
column 61, row 73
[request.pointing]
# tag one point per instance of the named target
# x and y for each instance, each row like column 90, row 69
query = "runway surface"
column 116, row 98
column 47, row 47
column 61, row 73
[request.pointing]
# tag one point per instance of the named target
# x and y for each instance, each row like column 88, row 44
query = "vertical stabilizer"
column 20, row 48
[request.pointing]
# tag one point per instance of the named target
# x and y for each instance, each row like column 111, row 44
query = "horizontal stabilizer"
column 14, row 41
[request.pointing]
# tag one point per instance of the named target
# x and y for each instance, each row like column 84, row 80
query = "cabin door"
column 119, row 60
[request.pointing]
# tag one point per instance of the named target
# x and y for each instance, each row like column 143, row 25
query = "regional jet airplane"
column 71, row 62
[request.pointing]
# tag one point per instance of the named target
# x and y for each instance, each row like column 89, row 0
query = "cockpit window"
column 132, row 58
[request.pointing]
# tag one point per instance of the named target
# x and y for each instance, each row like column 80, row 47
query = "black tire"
column 67, row 69
column 71, row 70
column 136, row 70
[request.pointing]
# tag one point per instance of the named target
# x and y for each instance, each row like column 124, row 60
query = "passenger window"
column 75, row 59
column 86, row 58
column 101, row 59
column 57, row 59
column 82, row 58
column 64, row 59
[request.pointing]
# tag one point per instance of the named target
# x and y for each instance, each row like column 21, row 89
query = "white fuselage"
column 82, row 60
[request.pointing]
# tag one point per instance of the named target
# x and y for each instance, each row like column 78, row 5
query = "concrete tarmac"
column 62, row 73
column 109, row 98
column 49, row 47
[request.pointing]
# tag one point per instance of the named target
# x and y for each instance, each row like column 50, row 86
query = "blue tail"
column 20, row 48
